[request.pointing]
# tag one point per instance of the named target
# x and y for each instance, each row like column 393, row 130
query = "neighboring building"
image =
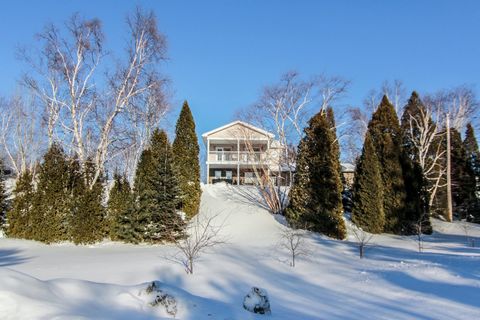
column 240, row 153
column 348, row 173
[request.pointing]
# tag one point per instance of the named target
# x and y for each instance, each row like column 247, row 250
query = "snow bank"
column 108, row 280
column 25, row 297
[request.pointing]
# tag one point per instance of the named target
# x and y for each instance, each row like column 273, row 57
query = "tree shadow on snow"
column 10, row 257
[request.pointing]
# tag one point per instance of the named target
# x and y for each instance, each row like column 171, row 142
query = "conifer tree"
column 316, row 200
column 299, row 195
column 19, row 215
column 120, row 210
column 386, row 134
column 416, row 185
column 157, row 192
column 367, row 210
column 4, row 203
column 333, row 127
column 473, row 159
column 186, row 153
column 88, row 223
column 463, row 180
column 52, row 200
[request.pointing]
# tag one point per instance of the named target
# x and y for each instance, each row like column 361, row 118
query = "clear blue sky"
column 223, row 52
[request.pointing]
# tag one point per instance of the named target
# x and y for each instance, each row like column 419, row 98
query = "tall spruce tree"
column 416, row 185
column 88, row 223
column 463, row 183
column 120, row 210
column 52, row 201
column 4, row 203
column 157, row 192
column 473, row 158
column 186, row 153
column 367, row 209
column 315, row 200
column 386, row 134
column 19, row 215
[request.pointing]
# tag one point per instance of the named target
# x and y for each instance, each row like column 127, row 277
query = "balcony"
column 235, row 157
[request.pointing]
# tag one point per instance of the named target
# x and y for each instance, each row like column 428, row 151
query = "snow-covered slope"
column 104, row 281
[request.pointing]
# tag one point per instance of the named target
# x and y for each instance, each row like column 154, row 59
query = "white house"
column 240, row 153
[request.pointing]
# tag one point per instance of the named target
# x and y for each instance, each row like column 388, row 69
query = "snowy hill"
column 108, row 280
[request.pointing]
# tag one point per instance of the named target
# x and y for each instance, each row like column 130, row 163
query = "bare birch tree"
column 20, row 133
column 83, row 106
column 284, row 109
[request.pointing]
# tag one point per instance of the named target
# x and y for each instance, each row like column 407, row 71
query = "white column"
column 238, row 161
column 208, row 158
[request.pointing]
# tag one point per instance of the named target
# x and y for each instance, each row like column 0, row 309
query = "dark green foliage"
column 473, row 159
column 414, row 115
column 157, row 192
column 88, row 222
column 417, row 197
column 19, row 215
column 299, row 194
column 315, row 198
column 186, row 153
column 463, row 180
column 367, row 211
column 52, row 200
column 120, row 211
column 333, row 127
column 471, row 149
column 386, row 135
column 416, row 186
column 4, row 203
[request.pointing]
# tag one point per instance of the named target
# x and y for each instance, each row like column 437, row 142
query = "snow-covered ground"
column 108, row 280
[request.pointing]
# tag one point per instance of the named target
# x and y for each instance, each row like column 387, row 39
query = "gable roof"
column 231, row 124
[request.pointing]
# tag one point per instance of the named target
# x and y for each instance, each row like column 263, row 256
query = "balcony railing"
column 236, row 157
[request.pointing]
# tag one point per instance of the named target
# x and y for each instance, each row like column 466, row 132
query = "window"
column 228, row 175
column 218, row 174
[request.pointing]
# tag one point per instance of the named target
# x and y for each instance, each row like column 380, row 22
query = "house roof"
column 231, row 124
column 347, row 167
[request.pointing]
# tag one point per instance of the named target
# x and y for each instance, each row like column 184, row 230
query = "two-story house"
column 240, row 153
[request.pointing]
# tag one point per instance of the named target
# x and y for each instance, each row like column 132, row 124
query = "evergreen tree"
column 52, row 200
column 463, row 181
column 386, row 134
column 367, row 211
column 316, row 200
column 333, row 127
column 473, row 154
column 299, row 195
column 186, row 153
column 88, row 223
column 120, row 210
column 4, row 203
column 157, row 192
column 473, row 158
column 19, row 215
column 416, row 186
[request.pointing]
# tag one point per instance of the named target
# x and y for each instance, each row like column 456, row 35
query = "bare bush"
column 202, row 235
column 293, row 240
column 363, row 238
